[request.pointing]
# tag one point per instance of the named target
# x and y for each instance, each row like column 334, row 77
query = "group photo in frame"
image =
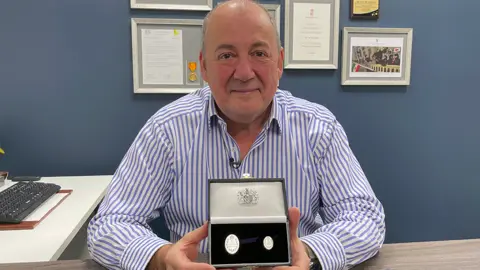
column 198, row 5
column 311, row 34
column 165, row 55
column 376, row 56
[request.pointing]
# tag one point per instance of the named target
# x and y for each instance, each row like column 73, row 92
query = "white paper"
column 43, row 209
column 162, row 56
column 311, row 31
column 368, row 49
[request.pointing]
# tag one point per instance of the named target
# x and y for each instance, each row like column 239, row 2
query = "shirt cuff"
column 138, row 253
column 328, row 249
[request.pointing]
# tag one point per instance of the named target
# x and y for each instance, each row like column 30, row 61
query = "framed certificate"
column 165, row 55
column 376, row 56
column 202, row 5
column 311, row 34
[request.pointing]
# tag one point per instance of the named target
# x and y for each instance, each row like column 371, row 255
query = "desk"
column 50, row 238
column 438, row 255
column 441, row 255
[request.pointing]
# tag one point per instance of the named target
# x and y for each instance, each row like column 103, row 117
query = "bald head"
column 229, row 7
column 241, row 60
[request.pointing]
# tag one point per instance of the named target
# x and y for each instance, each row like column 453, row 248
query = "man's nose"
column 243, row 70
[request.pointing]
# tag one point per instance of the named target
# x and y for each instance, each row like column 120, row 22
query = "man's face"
column 242, row 63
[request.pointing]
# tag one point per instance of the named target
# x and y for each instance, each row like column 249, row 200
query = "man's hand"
column 300, row 259
column 182, row 254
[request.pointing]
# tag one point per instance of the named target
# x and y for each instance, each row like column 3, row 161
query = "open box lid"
column 247, row 200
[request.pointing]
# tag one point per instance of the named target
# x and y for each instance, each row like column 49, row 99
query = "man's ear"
column 280, row 63
column 203, row 67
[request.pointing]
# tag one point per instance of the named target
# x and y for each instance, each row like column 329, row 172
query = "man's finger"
column 196, row 235
column 197, row 266
column 282, row 268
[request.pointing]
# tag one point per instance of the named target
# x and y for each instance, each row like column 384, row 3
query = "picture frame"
column 273, row 11
column 311, row 34
column 364, row 9
column 165, row 55
column 197, row 5
column 376, row 56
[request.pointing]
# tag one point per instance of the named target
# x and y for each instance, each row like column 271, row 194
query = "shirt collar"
column 275, row 118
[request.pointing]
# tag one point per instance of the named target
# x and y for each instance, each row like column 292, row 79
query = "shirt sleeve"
column 354, row 218
column 119, row 236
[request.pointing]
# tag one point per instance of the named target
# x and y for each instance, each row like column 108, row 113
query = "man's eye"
column 260, row 54
column 225, row 56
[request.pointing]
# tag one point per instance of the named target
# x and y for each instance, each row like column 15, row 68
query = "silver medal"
column 268, row 242
column 232, row 244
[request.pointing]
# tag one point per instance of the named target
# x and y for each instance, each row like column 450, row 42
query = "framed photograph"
column 376, row 56
column 201, row 5
column 311, row 34
column 165, row 55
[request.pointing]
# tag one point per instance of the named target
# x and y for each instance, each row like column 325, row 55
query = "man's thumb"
column 294, row 215
column 197, row 235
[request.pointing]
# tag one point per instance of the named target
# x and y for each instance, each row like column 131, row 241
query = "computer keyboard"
column 22, row 198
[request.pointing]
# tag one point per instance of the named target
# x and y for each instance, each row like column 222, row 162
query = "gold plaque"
column 192, row 66
column 364, row 9
column 192, row 77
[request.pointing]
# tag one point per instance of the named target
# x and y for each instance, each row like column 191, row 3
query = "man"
column 240, row 124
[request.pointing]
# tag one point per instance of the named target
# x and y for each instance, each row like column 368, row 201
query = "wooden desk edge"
column 54, row 265
column 425, row 256
column 439, row 255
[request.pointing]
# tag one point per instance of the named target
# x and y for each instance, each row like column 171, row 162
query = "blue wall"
column 67, row 107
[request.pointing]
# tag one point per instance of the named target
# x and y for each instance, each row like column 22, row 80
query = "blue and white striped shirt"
column 186, row 143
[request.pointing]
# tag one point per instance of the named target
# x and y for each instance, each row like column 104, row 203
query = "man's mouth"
column 249, row 90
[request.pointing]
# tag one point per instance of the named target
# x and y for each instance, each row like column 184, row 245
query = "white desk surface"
column 48, row 240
